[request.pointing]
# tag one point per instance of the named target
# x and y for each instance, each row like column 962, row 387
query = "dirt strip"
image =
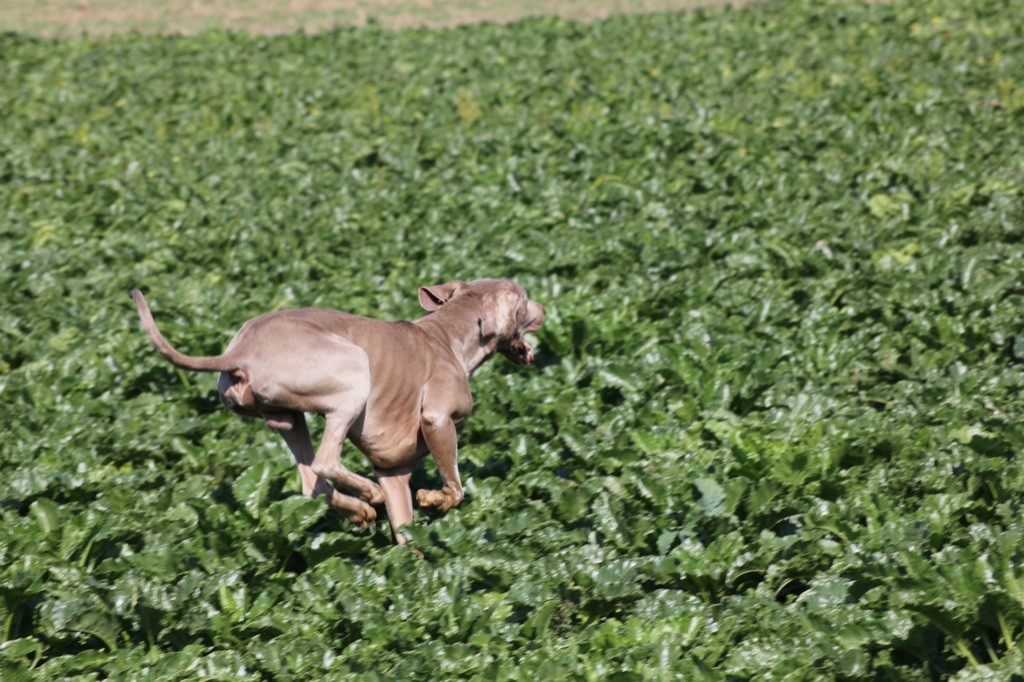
column 73, row 18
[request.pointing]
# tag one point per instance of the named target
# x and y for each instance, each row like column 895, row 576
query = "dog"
column 396, row 389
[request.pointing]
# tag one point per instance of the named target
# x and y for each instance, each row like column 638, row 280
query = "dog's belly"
column 391, row 446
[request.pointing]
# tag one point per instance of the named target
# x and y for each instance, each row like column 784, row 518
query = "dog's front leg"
column 442, row 440
column 397, row 498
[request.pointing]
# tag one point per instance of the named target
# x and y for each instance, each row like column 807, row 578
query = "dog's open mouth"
column 518, row 351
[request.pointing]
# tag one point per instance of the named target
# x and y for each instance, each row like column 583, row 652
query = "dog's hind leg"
column 327, row 461
column 293, row 428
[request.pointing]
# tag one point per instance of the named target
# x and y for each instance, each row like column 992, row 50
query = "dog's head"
column 504, row 313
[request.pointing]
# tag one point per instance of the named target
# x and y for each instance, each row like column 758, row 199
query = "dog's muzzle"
column 518, row 351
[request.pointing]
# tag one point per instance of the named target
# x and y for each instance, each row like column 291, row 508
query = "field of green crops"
column 775, row 424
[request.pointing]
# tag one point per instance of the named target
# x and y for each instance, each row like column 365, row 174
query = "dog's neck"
column 457, row 326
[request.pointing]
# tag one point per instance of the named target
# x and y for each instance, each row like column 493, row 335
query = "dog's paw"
column 361, row 517
column 432, row 499
column 441, row 500
column 375, row 495
column 356, row 511
column 362, row 520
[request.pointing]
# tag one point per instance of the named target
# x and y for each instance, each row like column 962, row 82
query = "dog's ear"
column 433, row 297
column 534, row 316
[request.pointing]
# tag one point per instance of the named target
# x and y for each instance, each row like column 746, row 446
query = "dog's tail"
column 217, row 363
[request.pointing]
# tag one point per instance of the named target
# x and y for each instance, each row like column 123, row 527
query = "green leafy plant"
column 774, row 425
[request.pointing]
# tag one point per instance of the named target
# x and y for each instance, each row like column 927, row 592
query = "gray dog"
column 396, row 389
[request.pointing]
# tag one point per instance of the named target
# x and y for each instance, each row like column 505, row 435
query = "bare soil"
column 73, row 18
